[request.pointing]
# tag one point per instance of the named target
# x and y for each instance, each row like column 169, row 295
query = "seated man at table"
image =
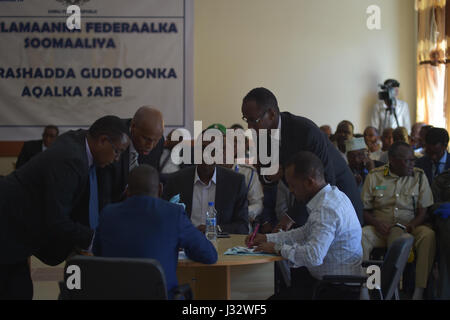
column 330, row 241
column 396, row 194
column 200, row 184
column 144, row 226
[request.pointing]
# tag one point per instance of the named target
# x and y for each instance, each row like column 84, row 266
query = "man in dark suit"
column 436, row 159
column 147, row 144
column 41, row 201
column 33, row 147
column 198, row 185
column 260, row 110
column 144, row 226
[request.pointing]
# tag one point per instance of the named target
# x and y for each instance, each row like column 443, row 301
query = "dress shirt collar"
column 89, row 154
column 316, row 200
column 197, row 178
column 43, row 147
column 278, row 135
column 443, row 160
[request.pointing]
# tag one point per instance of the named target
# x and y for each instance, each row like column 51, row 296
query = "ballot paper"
column 243, row 251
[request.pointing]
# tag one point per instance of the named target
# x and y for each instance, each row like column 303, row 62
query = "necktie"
column 133, row 160
column 93, row 198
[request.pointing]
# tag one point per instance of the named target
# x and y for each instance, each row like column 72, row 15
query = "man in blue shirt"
column 144, row 226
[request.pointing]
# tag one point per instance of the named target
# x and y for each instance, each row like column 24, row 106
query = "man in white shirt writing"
column 330, row 241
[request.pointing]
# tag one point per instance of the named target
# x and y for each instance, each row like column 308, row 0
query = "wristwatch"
column 278, row 247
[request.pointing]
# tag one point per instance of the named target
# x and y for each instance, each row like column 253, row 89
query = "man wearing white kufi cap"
column 359, row 161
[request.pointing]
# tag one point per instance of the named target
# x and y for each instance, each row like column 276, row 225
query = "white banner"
column 126, row 55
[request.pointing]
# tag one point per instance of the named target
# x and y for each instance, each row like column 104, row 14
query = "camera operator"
column 390, row 112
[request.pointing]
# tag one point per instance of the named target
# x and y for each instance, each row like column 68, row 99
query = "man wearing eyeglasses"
column 260, row 110
column 146, row 131
column 49, row 207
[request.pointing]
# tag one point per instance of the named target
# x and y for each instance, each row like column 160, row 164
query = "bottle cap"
column 210, row 203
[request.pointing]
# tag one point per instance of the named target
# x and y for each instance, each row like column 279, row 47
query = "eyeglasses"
column 406, row 160
column 49, row 135
column 255, row 121
column 117, row 152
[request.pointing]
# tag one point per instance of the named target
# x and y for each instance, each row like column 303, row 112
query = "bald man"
column 144, row 226
column 146, row 131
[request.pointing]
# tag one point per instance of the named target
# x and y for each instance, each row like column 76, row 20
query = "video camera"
column 387, row 93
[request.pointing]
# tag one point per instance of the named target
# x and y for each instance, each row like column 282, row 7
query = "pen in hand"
column 252, row 238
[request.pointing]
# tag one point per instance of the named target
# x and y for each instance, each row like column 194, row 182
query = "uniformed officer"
column 397, row 195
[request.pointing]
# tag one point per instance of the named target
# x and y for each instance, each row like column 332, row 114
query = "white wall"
column 317, row 56
column 7, row 165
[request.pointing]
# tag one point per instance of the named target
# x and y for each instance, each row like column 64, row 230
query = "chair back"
column 394, row 264
column 113, row 278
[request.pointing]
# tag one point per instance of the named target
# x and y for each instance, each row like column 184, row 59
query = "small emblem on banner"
column 72, row 2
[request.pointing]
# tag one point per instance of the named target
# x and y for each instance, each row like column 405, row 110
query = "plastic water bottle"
column 211, row 222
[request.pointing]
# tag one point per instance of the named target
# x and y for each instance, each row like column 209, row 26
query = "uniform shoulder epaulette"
column 378, row 169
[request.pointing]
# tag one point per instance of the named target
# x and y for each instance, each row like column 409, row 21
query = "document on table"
column 243, row 251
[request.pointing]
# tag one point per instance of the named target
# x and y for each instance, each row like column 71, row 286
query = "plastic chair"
column 102, row 278
column 391, row 271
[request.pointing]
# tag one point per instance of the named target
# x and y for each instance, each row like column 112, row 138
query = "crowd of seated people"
column 397, row 188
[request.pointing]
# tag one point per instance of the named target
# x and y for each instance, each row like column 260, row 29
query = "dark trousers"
column 303, row 286
column 298, row 213
column 15, row 281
